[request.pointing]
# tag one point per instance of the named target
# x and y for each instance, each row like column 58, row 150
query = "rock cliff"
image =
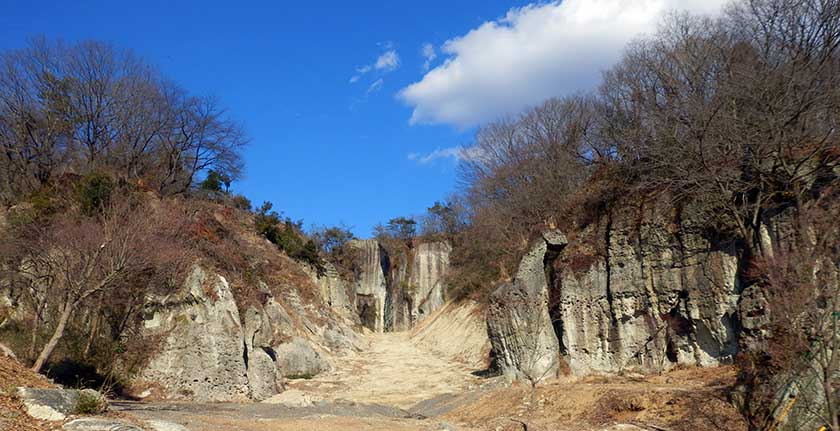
column 518, row 321
column 634, row 291
column 371, row 281
column 211, row 351
column 394, row 293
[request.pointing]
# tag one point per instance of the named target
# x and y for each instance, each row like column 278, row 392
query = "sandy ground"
column 393, row 371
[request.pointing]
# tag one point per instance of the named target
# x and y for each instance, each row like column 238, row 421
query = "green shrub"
column 94, row 192
column 287, row 236
column 90, row 402
column 241, row 202
column 215, row 182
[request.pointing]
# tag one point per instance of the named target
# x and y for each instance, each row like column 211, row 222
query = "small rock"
column 446, row 427
column 297, row 359
column 4, row 350
column 157, row 425
column 96, row 424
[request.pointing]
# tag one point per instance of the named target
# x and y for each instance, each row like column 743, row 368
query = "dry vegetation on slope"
column 12, row 414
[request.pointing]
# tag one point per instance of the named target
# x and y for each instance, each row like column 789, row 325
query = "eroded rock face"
column 658, row 298
column 212, row 353
column 420, row 290
column 518, row 323
column 371, row 283
column 264, row 379
column 641, row 294
column 334, row 290
column 202, row 357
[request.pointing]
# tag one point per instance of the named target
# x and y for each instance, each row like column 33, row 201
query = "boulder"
column 49, row 404
column 297, row 359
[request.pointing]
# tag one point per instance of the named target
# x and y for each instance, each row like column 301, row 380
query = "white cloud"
column 535, row 52
column 375, row 86
column 429, row 54
column 388, row 61
column 456, row 153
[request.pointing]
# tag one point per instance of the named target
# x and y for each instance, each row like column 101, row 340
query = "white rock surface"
column 99, row 424
column 371, row 283
column 202, row 355
column 48, row 404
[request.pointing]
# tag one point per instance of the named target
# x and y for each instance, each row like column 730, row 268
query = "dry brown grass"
column 681, row 400
column 12, row 413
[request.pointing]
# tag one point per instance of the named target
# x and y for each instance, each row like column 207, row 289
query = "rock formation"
column 657, row 297
column 518, row 322
column 371, row 283
column 203, row 350
column 211, row 352
column 418, row 289
column 334, row 290
column 633, row 292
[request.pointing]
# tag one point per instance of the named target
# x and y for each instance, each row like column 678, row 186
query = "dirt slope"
column 12, row 415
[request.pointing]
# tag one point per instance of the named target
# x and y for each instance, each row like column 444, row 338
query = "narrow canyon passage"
column 393, row 371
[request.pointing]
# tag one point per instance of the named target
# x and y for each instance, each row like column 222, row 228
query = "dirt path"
column 372, row 390
column 393, row 371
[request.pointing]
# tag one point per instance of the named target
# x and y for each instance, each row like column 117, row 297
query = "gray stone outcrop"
column 371, row 283
column 203, row 349
column 518, row 323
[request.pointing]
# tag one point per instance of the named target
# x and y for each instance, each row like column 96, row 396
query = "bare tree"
column 75, row 259
column 92, row 107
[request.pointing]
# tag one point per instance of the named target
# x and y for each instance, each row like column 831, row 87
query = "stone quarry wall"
column 371, row 282
column 395, row 297
column 637, row 290
column 418, row 288
column 211, row 351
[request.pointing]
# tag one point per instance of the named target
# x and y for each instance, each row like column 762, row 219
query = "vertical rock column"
column 371, row 283
column 521, row 332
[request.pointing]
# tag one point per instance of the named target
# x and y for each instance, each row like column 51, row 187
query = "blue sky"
column 344, row 117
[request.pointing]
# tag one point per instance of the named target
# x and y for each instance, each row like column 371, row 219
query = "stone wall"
column 212, row 352
column 635, row 291
column 394, row 293
column 371, row 281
